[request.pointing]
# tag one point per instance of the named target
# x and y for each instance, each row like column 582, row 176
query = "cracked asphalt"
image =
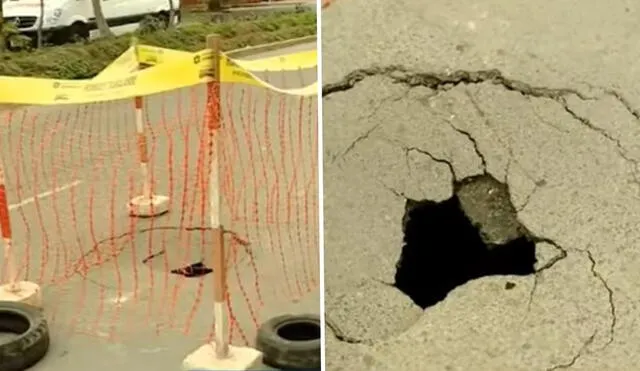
column 545, row 99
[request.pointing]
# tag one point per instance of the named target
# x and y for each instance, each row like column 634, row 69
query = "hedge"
column 81, row 61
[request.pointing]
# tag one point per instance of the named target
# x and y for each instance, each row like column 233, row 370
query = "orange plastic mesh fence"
column 72, row 170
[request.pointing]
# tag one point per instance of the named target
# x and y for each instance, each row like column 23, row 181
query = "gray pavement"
column 545, row 99
column 71, row 171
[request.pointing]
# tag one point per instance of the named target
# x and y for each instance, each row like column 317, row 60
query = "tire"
column 164, row 18
column 32, row 342
column 77, row 31
column 291, row 342
column 10, row 46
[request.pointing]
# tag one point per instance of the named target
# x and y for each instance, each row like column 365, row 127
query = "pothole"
column 473, row 234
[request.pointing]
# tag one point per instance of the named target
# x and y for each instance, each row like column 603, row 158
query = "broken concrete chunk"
column 546, row 255
column 487, row 204
column 371, row 311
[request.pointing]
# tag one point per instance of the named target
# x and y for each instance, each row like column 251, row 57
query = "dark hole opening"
column 193, row 270
column 11, row 323
column 444, row 249
column 299, row 331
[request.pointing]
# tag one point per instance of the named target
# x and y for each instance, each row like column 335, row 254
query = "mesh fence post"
column 147, row 204
column 219, row 269
column 13, row 290
column 219, row 355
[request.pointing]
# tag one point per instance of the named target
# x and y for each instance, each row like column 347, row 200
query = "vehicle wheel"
column 32, row 342
column 291, row 342
column 12, row 44
column 164, row 19
column 77, row 32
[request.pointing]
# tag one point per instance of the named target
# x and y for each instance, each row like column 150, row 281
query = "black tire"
column 77, row 32
column 164, row 19
column 291, row 342
column 9, row 44
column 32, row 342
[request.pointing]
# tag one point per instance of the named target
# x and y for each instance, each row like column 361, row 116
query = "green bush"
column 81, row 61
column 149, row 25
column 13, row 39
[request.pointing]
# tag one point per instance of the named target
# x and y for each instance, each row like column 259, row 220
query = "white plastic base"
column 204, row 359
column 148, row 206
column 28, row 293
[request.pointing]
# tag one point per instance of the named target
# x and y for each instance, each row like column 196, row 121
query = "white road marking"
column 31, row 200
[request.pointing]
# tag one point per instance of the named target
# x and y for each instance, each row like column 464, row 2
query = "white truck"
column 66, row 20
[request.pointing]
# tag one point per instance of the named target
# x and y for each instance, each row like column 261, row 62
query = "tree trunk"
column 172, row 14
column 40, row 23
column 101, row 22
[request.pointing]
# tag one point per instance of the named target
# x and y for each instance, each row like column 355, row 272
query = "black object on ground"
column 291, row 342
column 32, row 342
column 444, row 249
column 194, row 270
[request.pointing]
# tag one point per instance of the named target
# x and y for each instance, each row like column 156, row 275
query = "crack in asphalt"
column 563, row 254
column 619, row 147
column 476, row 148
column 444, row 82
column 577, row 356
column 369, row 131
column 553, row 261
column 355, row 142
column 627, row 105
column 537, row 184
column 537, row 114
column 448, row 163
column 612, row 306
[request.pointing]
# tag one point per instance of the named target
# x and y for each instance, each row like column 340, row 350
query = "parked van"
column 66, row 20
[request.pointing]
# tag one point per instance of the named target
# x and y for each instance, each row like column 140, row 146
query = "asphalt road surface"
column 542, row 98
column 71, row 171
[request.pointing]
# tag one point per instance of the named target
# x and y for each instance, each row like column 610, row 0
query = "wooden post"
column 213, row 121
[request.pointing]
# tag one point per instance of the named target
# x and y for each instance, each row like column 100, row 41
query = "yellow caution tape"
column 171, row 75
column 290, row 62
column 161, row 78
column 231, row 72
column 125, row 64
column 153, row 55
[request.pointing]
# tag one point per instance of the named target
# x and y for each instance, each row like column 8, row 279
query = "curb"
column 263, row 4
column 263, row 48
